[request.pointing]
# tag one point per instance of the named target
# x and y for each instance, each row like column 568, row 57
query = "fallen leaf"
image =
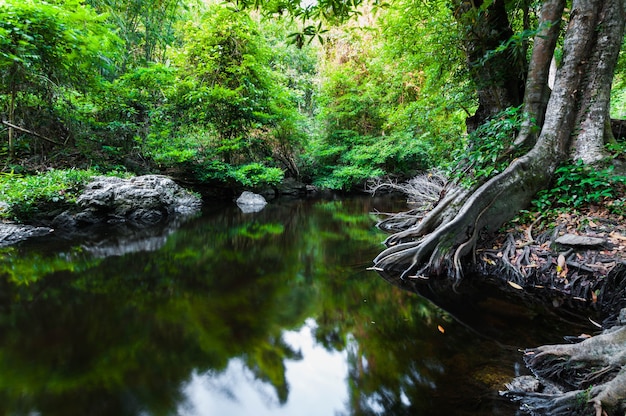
column 489, row 261
column 561, row 266
column 440, row 328
column 617, row 236
column 515, row 285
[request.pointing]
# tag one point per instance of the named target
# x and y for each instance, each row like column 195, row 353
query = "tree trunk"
column 574, row 121
column 486, row 29
column 593, row 120
column 436, row 245
column 537, row 90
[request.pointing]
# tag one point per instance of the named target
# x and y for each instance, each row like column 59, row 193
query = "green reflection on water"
column 86, row 334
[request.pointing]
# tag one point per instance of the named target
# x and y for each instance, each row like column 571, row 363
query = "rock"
column 142, row 200
column 526, row 384
column 251, row 202
column 621, row 319
column 580, row 240
column 14, row 233
column 290, row 186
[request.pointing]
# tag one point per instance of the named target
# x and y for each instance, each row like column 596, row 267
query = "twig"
column 529, row 233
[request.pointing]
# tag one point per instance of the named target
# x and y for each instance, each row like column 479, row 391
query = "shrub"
column 577, row 184
column 24, row 196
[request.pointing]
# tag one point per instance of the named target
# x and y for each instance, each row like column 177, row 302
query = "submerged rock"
column 14, row 233
column 251, row 202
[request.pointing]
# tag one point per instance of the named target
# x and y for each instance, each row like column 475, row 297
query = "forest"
column 241, row 96
column 482, row 111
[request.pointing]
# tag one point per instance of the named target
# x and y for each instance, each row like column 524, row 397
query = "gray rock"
column 528, row 384
column 621, row 319
column 142, row 200
column 251, row 202
column 14, row 233
column 579, row 240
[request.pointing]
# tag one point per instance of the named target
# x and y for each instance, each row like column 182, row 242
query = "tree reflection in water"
column 270, row 312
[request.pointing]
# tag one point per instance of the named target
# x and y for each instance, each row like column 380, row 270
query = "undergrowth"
column 577, row 185
column 24, row 195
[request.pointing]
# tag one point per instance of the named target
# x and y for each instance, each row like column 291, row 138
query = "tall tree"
column 485, row 27
column 590, row 48
column 574, row 125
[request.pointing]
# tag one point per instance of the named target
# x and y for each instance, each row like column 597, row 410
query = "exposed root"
column 584, row 378
column 424, row 190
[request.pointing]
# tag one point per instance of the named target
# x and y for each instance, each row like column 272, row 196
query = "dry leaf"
column 440, row 328
column 617, row 236
column 561, row 266
column 515, row 285
column 489, row 261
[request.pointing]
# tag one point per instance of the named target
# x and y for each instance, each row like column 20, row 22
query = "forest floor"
column 567, row 255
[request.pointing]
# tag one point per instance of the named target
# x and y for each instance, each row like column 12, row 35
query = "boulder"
column 251, row 202
column 142, row 200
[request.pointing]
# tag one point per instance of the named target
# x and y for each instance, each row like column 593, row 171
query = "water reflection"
column 237, row 314
column 317, row 384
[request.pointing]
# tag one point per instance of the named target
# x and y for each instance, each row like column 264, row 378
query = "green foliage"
column 251, row 175
column 577, row 184
column 489, row 148
column 227, row 82
column 389, row 106
column 48, row 54
column 255, row 174
column 23, row 196
column 123, row 114
column 145, row 26
column 359, row 158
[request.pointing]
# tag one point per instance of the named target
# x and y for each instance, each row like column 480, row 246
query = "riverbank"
column 567, row 256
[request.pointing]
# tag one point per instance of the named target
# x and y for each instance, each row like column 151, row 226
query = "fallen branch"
column 23, row 130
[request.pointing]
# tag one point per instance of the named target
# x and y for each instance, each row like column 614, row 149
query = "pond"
column 268, row 313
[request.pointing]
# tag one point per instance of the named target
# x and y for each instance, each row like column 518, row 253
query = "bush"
column 577, row 184
column 24, row 196
column 487, row 153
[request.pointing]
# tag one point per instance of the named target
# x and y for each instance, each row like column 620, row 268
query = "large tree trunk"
column 593, row 120
column 537, row 91
column 574, row 123
column 437, row 244
column 487, row 28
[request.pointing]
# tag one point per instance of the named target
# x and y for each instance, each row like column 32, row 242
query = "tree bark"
column 593, row 118
column 537, row 90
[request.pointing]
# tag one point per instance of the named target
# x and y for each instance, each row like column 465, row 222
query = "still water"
column 269, row 313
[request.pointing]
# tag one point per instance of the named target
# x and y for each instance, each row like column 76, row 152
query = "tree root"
column 585, row 378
